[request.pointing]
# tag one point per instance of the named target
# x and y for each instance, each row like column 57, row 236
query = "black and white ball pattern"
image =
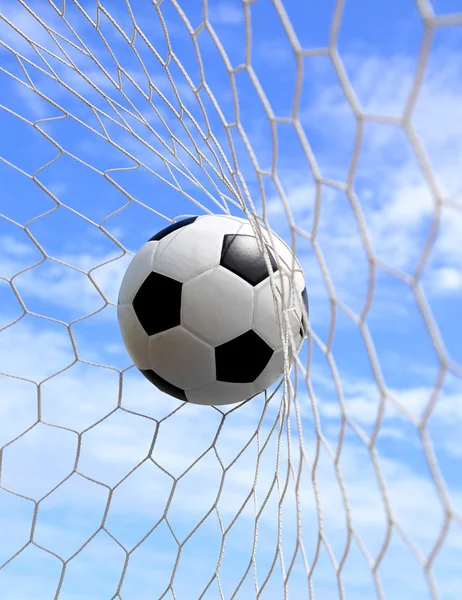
column 197, row 314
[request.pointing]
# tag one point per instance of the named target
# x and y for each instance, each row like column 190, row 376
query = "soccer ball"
column 197, row 313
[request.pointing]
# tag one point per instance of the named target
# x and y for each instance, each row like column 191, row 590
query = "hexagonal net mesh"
column 338, row 126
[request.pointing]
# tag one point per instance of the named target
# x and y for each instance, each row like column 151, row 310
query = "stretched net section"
column 339, row 126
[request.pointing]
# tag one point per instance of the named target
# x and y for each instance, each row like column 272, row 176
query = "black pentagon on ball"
column 304, row 327
column 241, row 255
column 242, row 359
column 164, row 386
column 157, row 303
column 305, row 298
column 173, row 227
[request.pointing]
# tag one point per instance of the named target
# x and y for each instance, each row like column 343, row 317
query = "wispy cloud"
column 226, row 13
column 54, row 283
column 394, row 195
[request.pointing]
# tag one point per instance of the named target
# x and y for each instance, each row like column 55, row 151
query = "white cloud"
column 395, row 198
column 363, row 407
column 36, row 105
column 226, row 13
column 12, row 246
column 59, row 285
column 111, row 449
column 35, row 353
column 279, row 55
column 29, row 26
column 405, row 201
column 361, row 395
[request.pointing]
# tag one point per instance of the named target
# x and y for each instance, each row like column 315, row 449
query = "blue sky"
column 96, row 199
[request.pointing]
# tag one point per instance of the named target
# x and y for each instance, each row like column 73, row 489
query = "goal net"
column 339, row 126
